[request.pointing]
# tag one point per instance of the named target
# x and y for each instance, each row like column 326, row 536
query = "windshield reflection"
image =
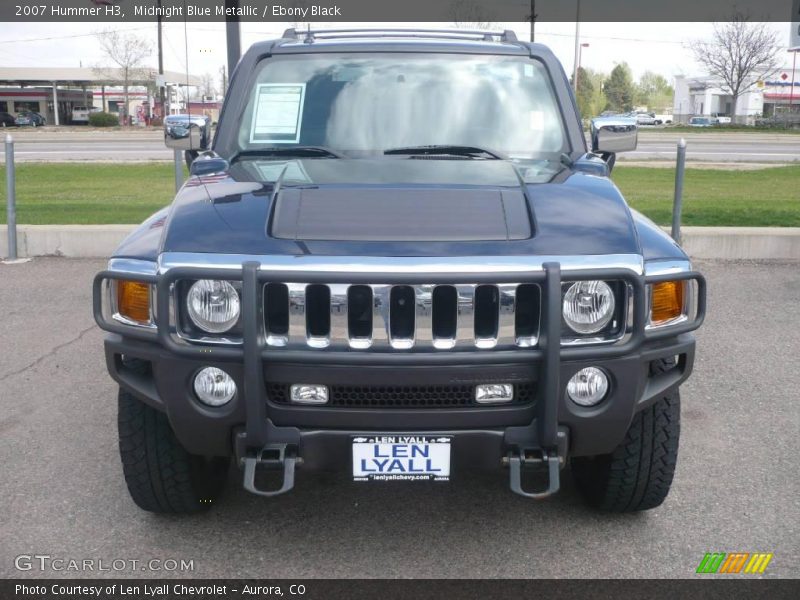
column 365, row 105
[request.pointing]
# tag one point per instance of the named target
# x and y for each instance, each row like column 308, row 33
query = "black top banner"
column 476, row 12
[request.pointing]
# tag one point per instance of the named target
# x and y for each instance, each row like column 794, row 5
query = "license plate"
column 401, row 458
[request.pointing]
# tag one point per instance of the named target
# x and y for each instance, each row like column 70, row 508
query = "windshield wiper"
column 291, row 151
column 451, row 149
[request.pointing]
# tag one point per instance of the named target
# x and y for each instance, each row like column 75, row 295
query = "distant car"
column 80, row 114
column 701, row 122
column 721, row 119
column 644, row 118
column 7, row 120
column 30, row 118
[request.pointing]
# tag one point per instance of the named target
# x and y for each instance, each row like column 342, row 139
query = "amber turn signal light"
column 667, row 301
column 133, row 301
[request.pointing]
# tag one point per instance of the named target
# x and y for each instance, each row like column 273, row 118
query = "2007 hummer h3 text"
column 399, row 258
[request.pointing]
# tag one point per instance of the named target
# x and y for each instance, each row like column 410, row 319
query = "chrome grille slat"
column 297, row 314
column 506, row 325
column 339, row 335
column 426, row 311
column 465, row 316
column 423, row 316
column 380, row 316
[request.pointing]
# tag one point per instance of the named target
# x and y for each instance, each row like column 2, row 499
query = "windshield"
column 365, row 105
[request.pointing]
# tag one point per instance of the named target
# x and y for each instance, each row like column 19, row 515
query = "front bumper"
column 482, row 435
column 319, row 436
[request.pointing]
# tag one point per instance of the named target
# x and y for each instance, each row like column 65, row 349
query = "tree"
column 128, row 52
column 207, row 86
column 584, row 95
column 619, row 88
column 654, row 92
column 739, row 54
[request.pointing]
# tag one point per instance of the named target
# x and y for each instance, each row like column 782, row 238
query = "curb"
column 99, row 241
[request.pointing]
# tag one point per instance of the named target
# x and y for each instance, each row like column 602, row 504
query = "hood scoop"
column 400, row 214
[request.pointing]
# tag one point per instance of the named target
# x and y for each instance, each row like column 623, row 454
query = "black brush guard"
column 542, row 444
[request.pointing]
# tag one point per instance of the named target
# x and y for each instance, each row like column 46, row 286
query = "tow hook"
column 271, row 457
column 538, row 459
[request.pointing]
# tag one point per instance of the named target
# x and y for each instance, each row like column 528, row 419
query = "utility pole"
column 161, row 94
column 794, row 51
column 533, row 20
column 577, row 44
column 234, row 35
column 224, row 86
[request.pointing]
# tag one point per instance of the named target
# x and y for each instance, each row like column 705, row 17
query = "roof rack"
column 466, row 34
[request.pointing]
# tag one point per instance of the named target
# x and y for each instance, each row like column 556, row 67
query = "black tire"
column 637, row 475
column 162, row 477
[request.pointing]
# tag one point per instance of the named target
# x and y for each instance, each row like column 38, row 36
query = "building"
column 705, row 96
column 40, row 100
column 54, row 92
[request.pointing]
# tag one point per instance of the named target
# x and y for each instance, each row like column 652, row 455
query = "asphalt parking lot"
column 736, row 488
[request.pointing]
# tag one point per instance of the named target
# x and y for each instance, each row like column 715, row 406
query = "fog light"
column 588, row 386
column 214, row 386
column 491, row 393
column 306, row 393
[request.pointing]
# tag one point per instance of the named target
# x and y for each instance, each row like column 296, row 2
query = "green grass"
column 49, row 193
column 88, row 193
column 757, row 198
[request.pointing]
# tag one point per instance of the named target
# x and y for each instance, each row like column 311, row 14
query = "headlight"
column 213, row 305
column 588, row 306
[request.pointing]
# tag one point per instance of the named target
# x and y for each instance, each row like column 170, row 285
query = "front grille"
column 404, row 396
column 402, row 317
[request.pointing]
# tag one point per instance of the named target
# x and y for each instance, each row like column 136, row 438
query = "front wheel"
column 637, row 475
column 162, row 477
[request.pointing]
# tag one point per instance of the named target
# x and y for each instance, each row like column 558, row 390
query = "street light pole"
column 578, row 70
column 577, row 44
column 794, row 51
column 161, row 94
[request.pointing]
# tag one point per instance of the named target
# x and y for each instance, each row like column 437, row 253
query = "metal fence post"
column 677, row 203
column 178, row 169
column 11, row 199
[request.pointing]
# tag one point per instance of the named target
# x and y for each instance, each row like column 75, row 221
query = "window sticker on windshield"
column 278, row 113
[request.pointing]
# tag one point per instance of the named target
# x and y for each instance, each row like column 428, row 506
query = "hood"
column 400, row 207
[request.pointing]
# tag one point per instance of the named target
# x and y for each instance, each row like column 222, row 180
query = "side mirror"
column 187, row 132
column 614, row 134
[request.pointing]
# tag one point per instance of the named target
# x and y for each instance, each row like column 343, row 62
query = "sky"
column 659, row 47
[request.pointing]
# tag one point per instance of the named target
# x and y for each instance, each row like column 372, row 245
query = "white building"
column 696, row 96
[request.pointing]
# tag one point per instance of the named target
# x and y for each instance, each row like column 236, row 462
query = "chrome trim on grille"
column 387, row 265
column 339, row 336
column 297, row 315
column 422, row 333
column 380, row 316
